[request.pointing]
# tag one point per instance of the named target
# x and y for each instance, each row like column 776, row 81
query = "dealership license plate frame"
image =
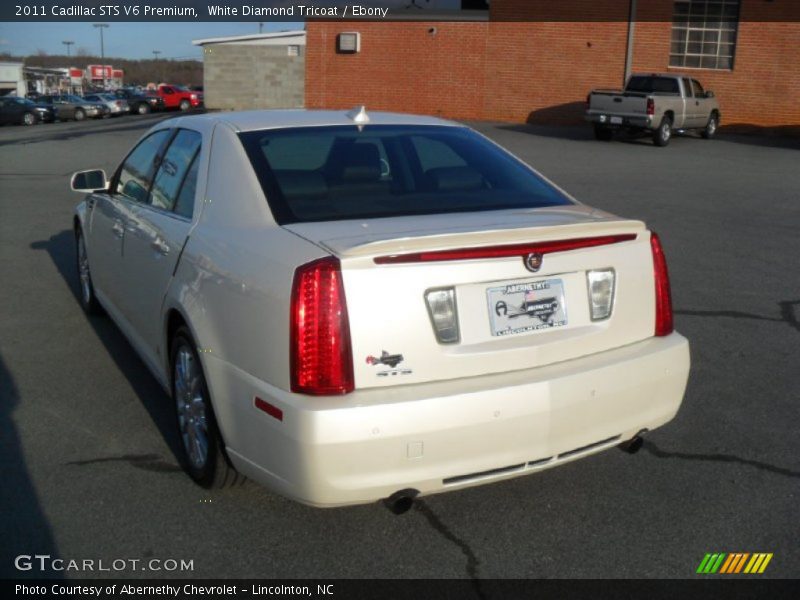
column 616, row 120
column 511, row 313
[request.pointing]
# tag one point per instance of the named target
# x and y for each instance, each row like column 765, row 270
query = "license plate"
column 530, row 306
column 616, row 120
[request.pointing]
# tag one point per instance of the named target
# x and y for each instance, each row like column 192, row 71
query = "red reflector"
column 272, row 411
column 664, row 322
column 321, row 355
column 505, row 251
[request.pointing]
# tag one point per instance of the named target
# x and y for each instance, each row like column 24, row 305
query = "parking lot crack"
column 444, row 531
column 721, row 458
column 147, row 462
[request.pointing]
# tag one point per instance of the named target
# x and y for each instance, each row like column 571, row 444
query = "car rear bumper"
column 605, row 119
column 446, row 435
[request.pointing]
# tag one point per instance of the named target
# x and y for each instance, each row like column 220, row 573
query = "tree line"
column 136, row 72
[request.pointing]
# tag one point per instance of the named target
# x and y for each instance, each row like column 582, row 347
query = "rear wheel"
column 29, row 118
column 185, row 105
column 711, row 127
column 204, row 455
column 663, row 134
column 89, row 301
column 143, row 108
column 604, row 134
column 80, row 115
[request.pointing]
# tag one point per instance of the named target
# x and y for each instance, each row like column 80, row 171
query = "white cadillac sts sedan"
column 347, row 306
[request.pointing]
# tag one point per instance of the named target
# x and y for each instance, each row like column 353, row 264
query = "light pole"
column 102, row 26
column 67, row 43
column 155, row 54
column 260, row 27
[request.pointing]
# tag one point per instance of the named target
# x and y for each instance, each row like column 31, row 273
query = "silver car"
column 347, row 306
column 116, row 106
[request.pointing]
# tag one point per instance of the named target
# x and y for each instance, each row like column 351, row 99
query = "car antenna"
column 359, row 116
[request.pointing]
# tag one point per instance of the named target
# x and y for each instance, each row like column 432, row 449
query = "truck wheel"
column 185, row 105
column 662, row 135
column 711, row 127
column 80, row 115
column 143, row 108
column 604, row 134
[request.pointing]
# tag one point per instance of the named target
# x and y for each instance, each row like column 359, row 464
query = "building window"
column 704, row 34
column 293, row 50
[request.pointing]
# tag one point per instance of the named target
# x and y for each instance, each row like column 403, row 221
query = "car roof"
column 254, row 120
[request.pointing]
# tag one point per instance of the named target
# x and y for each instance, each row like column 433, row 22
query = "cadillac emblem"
column 533, row 261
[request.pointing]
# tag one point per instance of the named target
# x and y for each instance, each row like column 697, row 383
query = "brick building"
column 530, row 60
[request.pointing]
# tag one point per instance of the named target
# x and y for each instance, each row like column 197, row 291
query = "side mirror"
column 89, row 181
column 709, row 94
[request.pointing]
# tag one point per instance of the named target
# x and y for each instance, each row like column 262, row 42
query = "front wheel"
column 663, row 134
column 711, row 127
column 80, row 115
column 604, row 134
column 204, row 455
column 185, row 105
column 29, row 118
column 143, row 108
column 89, row 302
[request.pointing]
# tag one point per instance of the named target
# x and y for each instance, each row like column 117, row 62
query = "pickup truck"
column 175, row 96
column 656, row 103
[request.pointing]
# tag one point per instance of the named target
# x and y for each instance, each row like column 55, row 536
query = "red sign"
column 76, row 73
column 100, row 71
column 117, row 73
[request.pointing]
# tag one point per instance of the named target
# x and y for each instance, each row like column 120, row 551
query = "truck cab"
column 179, row 97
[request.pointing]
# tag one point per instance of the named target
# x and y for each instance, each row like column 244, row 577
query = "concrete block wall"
column 246, row 77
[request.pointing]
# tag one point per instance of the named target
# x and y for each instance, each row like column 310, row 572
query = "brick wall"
column 249, row 76
column 540, row 70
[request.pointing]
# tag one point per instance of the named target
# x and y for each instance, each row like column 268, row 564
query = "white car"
column 116, row 106
column 348, row 306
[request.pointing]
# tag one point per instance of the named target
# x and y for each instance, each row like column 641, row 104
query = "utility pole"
column 260, row 27
column 67, row 44
column 102, row 26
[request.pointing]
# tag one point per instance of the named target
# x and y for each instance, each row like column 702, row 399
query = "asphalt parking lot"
column 87, row 450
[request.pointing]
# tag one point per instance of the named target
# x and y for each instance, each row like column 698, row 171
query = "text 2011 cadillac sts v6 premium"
column 344, row 305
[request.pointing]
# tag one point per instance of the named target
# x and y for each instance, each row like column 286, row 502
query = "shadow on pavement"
column 24, row 528
column 61, row 248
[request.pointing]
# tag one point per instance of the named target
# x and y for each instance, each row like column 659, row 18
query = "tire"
column 88, row 300
column 185, row 105
column 711, row 127
column 603, row 134
column 663, row 134
column 79, row 115
column 143, row 108
column 204, row 457
column 29, row 118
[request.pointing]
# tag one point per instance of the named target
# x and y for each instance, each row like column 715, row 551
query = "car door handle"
column 160, row 246
column 118, row 229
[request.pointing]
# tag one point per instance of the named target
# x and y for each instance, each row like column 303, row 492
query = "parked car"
column 179, row 97
column 74, row 107
column 322, row 295
column 658, row 104
column 140, row 102
column 116, row 106
column 22, row 111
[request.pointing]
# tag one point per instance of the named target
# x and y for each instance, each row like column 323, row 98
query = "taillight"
column 664, row 321
column 321, row 355
column 651, row 107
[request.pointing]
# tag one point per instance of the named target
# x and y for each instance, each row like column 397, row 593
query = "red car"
column 176, row 96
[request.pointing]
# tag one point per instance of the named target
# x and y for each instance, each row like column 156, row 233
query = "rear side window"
column 174, row 168
column 137, row 171
column 653, row 85
column 347, row 172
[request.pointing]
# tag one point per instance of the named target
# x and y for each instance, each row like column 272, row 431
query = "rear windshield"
column 653, row 85
column 335, row 173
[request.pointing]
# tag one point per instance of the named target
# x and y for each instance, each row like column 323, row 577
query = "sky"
column 123, row 40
